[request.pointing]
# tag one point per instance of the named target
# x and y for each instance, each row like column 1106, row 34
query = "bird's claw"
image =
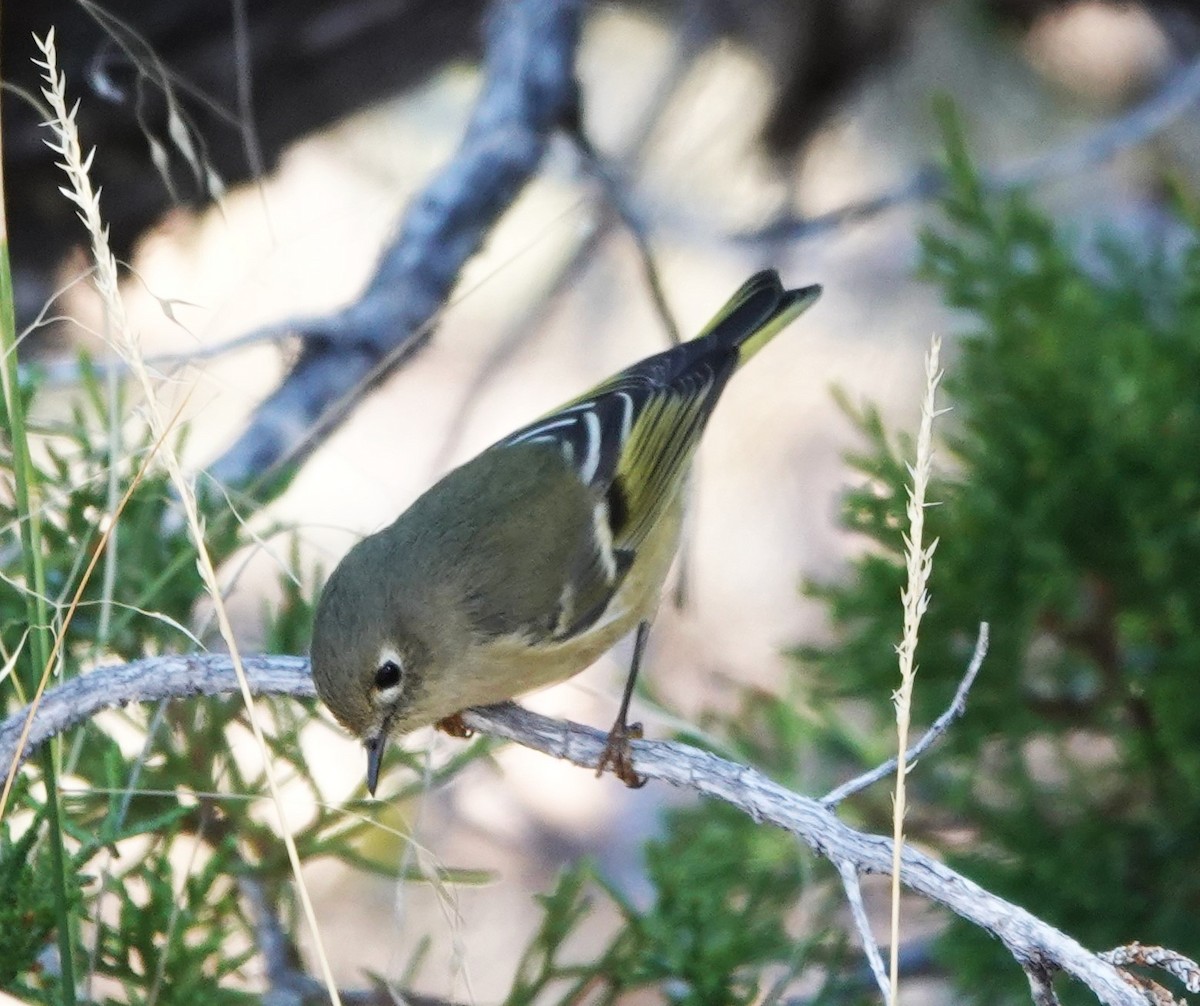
column 618, row 756
column 455, row 727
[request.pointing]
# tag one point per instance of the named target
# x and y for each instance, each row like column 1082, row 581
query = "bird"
column 524, row 565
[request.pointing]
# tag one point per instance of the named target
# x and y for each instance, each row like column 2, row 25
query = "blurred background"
column 734, row 129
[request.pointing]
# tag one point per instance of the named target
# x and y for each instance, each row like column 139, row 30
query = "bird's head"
column 373, row 652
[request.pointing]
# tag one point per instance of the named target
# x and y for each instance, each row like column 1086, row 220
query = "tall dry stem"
column 915, row 598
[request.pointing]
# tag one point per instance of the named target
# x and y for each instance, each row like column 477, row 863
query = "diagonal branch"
column 1023, row 934
column 958, row 706
column 529, row 89
column 853, row 889
column 1177, row 96
column 1026, row 937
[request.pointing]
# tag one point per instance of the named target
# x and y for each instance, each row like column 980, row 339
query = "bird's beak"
column 375, row 747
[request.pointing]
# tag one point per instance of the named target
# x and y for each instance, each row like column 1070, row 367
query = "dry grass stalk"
column 80, row 191
column 915, row 598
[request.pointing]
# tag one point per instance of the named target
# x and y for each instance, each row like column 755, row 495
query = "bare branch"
column 54, row 373
column 523, row 328
column 529, row 87
column 615, row 193
column 170, row 677
column 853, row 891
column 1180, row 92
column 957, row 707
column 279, row 956
column 1183, row 968
column 1026, row 937
column 1041, row 984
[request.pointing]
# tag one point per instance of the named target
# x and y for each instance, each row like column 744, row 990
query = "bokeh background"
column 720, row 122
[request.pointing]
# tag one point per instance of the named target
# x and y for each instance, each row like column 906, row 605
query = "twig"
column 853, row 889
column 690, row 36
column 519, row 332
column 243, row 61
column 1187, row 971
column 1025, row 936
column 522, row 329
column 916, row 961
column 957, row 707
column 280, row 959
column 529, row 84
column 1135, row 127
column 1041, row 984
column 622, row 206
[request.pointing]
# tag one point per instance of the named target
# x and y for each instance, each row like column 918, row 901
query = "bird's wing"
column 628, row 444
column 631, row 437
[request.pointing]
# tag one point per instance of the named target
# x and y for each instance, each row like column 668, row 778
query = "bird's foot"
column 618, row 756
column 454, row 726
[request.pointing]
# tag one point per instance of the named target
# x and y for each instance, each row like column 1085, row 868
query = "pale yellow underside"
column 510, row 667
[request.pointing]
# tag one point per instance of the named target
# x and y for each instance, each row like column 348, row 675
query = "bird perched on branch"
column 523, row 566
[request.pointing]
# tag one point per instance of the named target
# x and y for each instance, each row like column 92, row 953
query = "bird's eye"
column 388, row 675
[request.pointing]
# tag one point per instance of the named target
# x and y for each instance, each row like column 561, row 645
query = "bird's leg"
column 454, row 726
column 616, row 754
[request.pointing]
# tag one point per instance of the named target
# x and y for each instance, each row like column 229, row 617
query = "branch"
column 1025, row 936
column 1036, row 945
column 529, row 88
column 1187, row 971
column 149, row 680
column 958, row 706
column 520, row 330
column 450, row 219
column 850, row 884
column 1140, row 124
column 1041, row 985
column 693, row 33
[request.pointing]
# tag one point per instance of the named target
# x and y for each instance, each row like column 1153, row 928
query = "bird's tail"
column 757, row 312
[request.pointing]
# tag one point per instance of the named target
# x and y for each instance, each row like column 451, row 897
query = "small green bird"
column 523, row 566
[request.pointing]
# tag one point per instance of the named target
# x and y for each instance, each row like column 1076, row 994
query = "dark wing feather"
column 630, row 438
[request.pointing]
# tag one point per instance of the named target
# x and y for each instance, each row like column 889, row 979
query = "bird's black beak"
column 375, row 748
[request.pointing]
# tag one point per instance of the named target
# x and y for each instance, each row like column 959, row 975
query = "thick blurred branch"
column 193, row 101
column 1036, row 946
column 529, row 89
column 285, row 425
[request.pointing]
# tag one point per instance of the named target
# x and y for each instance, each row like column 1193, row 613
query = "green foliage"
column 154, row 585
column 723, row 887
column 27, row 905
column 160, row 831
column 157, row 838
column 162, row 921
column 1069, row 520
column 169, row 948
